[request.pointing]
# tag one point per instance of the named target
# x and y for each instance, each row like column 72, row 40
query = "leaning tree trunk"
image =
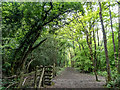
column 91, row 55
column 89, row 43
column 105, row 45
column 115, row 57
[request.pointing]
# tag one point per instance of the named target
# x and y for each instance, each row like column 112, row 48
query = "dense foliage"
column 67, row 34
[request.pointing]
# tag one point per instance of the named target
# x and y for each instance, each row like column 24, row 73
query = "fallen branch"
column 14, row 76
column 11, row 85
column 29, row 64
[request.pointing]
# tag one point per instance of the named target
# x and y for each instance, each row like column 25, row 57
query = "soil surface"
column 70, row 78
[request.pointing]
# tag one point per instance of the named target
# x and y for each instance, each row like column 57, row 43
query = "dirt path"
column 70, row 78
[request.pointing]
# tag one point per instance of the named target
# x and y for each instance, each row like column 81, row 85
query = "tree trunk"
column 105, row 45
column 99, row 63
column 25, row 55
column 95, row 58
column 115, row 57
column 98, row 38
column 83, row 49
column 119, row 43
column 89, row 42
column 89, row 45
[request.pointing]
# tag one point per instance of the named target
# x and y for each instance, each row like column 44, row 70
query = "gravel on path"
column 70, row 78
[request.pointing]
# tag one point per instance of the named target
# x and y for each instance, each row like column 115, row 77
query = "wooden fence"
column 41, row 77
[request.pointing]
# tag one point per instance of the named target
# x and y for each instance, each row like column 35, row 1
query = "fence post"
column 35, row 79
column 54, row 70
column 41, row 78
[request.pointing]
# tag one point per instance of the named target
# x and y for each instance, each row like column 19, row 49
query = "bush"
column 115, row 83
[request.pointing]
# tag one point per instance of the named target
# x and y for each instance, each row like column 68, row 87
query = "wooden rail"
column 41, row 77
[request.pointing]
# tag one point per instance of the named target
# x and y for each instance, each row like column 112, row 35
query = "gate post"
column 54, row 70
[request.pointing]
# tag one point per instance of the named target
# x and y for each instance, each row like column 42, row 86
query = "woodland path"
column 70, row 78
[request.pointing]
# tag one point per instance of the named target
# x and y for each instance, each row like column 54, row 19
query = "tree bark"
column 95, row 57
column 115, row 57
column 87, row 39
column 119, row 42
column 105, row 45
column 98, row 38
column 24, row 58
column 99, row 63
column 89, row 45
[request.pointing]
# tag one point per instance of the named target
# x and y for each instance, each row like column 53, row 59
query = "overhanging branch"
column 39, row 44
